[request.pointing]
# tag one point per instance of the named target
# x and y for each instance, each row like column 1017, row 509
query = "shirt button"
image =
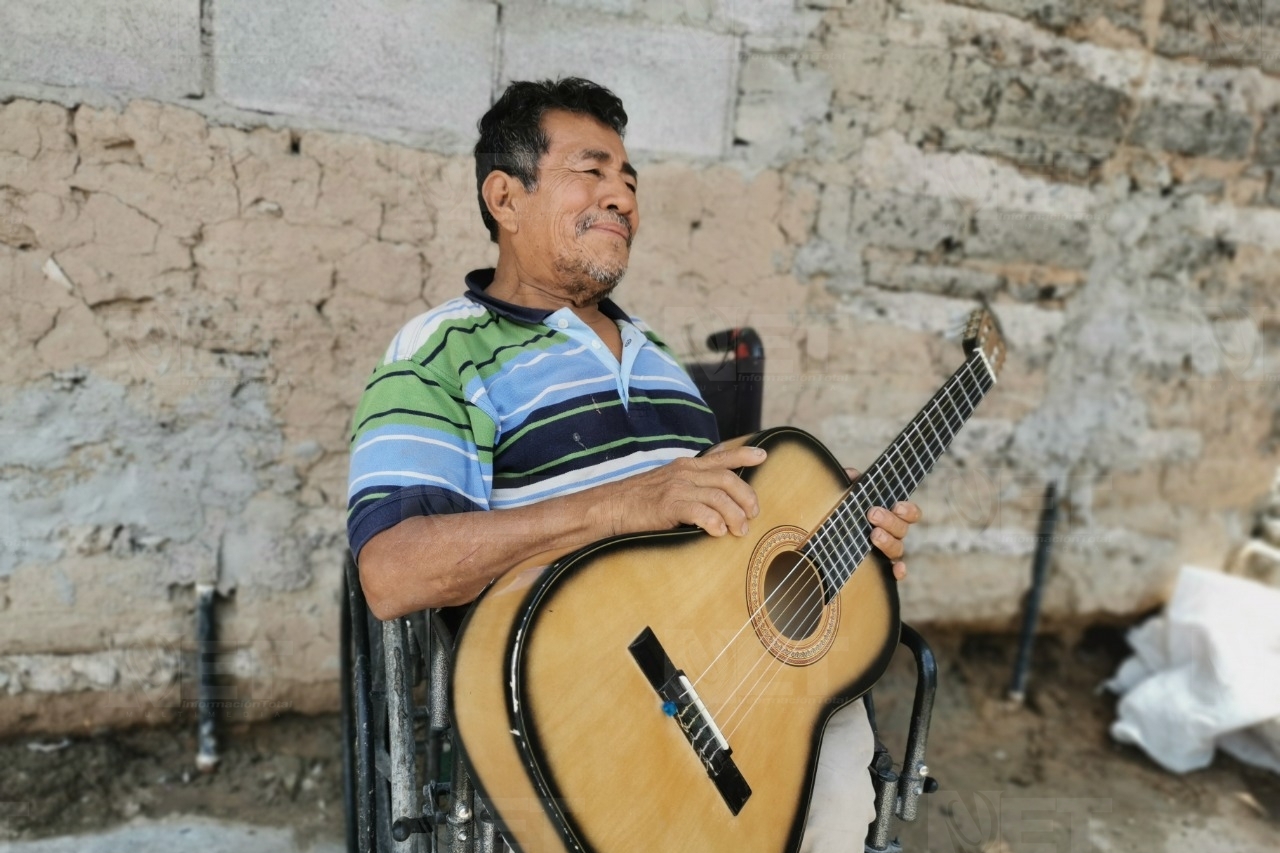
column 562, row 323
column 595, row 345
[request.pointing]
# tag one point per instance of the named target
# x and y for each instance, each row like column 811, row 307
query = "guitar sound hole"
column 793, row 595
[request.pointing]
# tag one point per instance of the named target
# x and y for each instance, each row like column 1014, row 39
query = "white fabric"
column 1205, row 673
column 843, row 798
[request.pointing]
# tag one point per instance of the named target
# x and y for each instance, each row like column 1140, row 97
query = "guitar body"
column 566, row 736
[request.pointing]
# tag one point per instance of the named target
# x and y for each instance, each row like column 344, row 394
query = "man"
column 532, row 414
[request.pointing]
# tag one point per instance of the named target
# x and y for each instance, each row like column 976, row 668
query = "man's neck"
column 511, row 284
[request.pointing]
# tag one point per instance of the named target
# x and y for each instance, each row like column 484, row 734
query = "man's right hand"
column 701, row 490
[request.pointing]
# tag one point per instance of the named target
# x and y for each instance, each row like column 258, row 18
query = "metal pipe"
column 461, row 817
column 403, row 775
column 885, row 783
column 207, row 678
column 362, row 708
column 1031, row 602
column 347, row 685
column 487, row 840
column 915, row 780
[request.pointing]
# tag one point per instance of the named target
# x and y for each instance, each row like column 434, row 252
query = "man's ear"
column 503, row 195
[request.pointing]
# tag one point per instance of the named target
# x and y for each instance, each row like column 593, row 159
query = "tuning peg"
column 957, row 326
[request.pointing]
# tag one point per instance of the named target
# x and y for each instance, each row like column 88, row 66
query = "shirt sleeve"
column 418, row 447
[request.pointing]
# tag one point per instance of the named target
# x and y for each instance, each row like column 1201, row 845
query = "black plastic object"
column 733, row 386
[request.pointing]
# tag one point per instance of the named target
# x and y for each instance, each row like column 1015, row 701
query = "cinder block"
column 615, row 7
column 942, row 280
column 915, row 222
column 1009, row 98
column 891, row 76
column 1272, row 196
column 1194, row 130
column 1021, row 237
column 1057, row 154
column 1267, row 150
column 1065, row 14
column 1226, row 31
column 134, row 47
column 765, row 17
column 778, row 101
column 1046, row 122
column 1062, row 105
column 678, row 83
column 359, row 63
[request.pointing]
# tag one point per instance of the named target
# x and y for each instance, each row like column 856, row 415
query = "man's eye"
column 600, row 174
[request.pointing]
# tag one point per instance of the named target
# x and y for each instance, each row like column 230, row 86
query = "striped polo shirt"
column 481, row 404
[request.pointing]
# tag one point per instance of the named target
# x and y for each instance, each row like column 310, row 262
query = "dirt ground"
column 1043, row 777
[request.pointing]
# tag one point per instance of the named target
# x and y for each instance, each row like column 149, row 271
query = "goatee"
column 586, row 282
column 589, row 282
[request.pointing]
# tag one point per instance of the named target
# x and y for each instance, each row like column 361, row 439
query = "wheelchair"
column 405, row 790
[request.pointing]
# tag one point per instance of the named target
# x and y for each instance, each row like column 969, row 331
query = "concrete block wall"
column 145, row 49
column 214, row 215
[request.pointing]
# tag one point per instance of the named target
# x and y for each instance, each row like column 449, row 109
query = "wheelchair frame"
column 405, row 790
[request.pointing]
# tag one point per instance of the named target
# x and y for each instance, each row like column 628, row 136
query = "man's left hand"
column 890, row 528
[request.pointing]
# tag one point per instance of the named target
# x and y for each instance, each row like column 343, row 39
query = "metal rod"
column 207, row 678
column 363, row 753
column 347, row 685
column 1031, row 602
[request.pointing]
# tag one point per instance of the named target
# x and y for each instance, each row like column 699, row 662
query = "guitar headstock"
column 982, row 333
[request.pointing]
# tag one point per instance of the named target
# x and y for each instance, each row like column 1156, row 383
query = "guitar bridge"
column 681, row 702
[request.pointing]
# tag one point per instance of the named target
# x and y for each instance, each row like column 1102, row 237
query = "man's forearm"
column 444, row 560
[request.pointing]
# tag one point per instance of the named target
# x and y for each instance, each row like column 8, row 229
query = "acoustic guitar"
column 668, row 691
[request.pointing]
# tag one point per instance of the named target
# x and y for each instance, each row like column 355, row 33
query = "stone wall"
column 213, row 217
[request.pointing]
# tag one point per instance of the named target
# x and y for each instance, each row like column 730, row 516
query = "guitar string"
column 837, row 516
column 824, row 533
column 822, row 551
column 869, row 487
column 906, row 488
column 878, row 494
column 863, row 545
column 820, row 547
column 933, row 402
column 841, row 519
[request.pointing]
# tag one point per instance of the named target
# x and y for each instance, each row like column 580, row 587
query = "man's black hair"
column 511, row 135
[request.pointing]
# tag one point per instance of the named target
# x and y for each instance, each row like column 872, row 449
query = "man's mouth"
column 612, row 229
column 612, row 226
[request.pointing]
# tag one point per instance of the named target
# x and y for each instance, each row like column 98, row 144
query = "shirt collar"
column 479, row 280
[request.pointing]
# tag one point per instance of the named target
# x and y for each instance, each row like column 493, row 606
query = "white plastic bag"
column 1206, row 673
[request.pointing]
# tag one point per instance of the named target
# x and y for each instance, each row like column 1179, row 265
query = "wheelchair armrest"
column 915, row 779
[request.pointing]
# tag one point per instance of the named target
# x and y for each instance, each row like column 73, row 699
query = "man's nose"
column 617, row 196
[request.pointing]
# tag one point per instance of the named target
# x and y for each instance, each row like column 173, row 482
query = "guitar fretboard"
column 843, row 541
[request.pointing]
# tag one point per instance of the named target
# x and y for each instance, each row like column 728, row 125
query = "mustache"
column 585, row 225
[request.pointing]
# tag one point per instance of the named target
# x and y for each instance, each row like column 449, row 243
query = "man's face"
column 578, row 224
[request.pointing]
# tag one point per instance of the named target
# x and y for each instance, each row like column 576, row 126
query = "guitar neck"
column 841, row 542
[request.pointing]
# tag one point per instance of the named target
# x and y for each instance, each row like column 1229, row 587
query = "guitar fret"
column 841, row 542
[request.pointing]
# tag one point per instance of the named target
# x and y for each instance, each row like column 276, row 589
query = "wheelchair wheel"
column 399, row 668
column 366, row 787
